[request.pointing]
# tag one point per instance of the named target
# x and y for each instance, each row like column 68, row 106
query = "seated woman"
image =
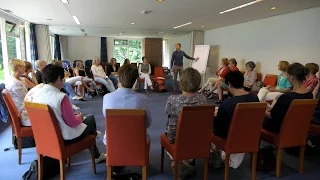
column 29, row 82
column 80, row 72
column 100, row 76
column 296, row 75
column 250, row 76
column 316, row 89
column 74, row 127
column 311, row 81
column 269, row 93
column 112, row 71
column 17, row 89
column 223, row 86
column 221, row 73
column 190, row 80
column 144, row 73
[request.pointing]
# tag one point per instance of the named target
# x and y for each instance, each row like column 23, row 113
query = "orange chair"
column 241, row 137
column 294, row 130
column 314, row 129
column 46, row 129
column 191, row 145
column 127, row 146
column 270, row 79
column 20, row 131
column 158, row 77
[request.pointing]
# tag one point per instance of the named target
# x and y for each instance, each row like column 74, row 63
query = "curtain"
column 57, row 49
column 103, row 50
column 43, row 42
column 64, row 47
column 33, row 44
column 23, row 43
column 197, row 38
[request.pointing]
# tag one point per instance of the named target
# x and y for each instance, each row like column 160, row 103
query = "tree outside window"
column 131, row 49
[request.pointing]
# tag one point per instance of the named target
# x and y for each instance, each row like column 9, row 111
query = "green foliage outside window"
column 132, row 51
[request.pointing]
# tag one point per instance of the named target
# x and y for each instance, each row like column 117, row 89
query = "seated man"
column 124, row 97
column 74, row 127
column 222, row 121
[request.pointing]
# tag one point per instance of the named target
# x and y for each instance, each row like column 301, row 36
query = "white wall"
column 184, row 40
column 292, row 37
column 83, row 48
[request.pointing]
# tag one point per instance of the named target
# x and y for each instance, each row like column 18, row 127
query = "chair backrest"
column 126, row 137
column 67, row 61
column 13, row 111
column 88, row 62
column 245, row 128
column 118, row 65
column 194, row 131
column 46, row 131
column 135, row 64
column 158, row 71
column 259, row 77
column 296, row 123
column 65, row 66
column 270, row 79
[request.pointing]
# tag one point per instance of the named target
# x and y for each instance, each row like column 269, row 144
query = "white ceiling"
column 110, row 17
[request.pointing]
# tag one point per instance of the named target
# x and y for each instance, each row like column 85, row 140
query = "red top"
column 235, row 69
column 223, row 71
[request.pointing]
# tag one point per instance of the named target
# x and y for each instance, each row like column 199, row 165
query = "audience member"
column 39, row 64
column 126, row 61
column 316, row 91
column 222, row 121
column 144, row 73
column 17, row 89
column 100, row 76
column 112, row 71
column 250, row 76
column 190, row 80
column 311, row 81
column 74, row 127
column 269, row 93
column 124, row 97
column 233, row 64
column 221, row 73
column 296, row 76
column 30, row 82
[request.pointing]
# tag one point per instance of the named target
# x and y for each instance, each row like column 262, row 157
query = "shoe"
column 76, row 97
column 90, row 96
column 210, row 96
column 102, row 157
column 75, row 107
column 98, row 135
column 146, row 91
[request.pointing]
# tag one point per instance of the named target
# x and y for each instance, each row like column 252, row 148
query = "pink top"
column 311, row 82
column 68, row 114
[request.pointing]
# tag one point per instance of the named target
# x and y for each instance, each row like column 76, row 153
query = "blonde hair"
column 78, row 64
column 38, row 63
column 283, row 65
column 14, row 63
column 225, row 61
column 56, row 62
column 95, row 59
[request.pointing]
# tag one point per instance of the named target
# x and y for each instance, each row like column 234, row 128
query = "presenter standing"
column 176, row 64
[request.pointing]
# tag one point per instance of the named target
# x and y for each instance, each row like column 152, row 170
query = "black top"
column 225, row 113
column 39, row 76
column 279, row 110
column 110, row 69
column 28, row 79
column 82, row 72
column 177, row 58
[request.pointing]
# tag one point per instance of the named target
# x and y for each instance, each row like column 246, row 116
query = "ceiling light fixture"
column 49, row 19
column 182, row 25
column 76, row 19
column 146, row 12
column 202, row 26
column 132, row 23
column 160, row 33
column 273, row 8
column 64, row 1
column 241, row 6
column 160, row 0
column 63, row 29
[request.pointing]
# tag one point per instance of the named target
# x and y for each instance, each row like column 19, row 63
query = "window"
column 52, row 41
column 165, row 53
column 13, row 40
column 131, row 49
column 1, row 58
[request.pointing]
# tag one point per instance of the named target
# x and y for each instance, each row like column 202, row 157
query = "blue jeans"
column 69, row 90
column 114, row 79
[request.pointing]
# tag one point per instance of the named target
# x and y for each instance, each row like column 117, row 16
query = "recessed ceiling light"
column 241, row 6
column 49, row 19
column 273, row 8
column 160, row 0
column 64, row 1
column 202, row 26
column 146, row 12
column 182, row 25
column 75, row 18
column 160, row 33
column 132, row 23
column 63, row 29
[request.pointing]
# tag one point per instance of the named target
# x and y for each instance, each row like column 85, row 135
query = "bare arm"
column 34, row 78
column 27, row 82
column 76, row 71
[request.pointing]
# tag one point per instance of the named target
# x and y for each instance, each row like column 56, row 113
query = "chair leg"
column 62, row 170
column 109, row 172
column 40, row 167
column 69, row 161
column 93, row 162
column 19, row 149
column 279, row 161
column 302, row 150
column 254, row 165
column 226, row 167
column 176, row 170
column 144, row 172
column 162, row 157
column 206, row 165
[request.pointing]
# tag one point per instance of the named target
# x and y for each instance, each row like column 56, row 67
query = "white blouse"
column 98, row 71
